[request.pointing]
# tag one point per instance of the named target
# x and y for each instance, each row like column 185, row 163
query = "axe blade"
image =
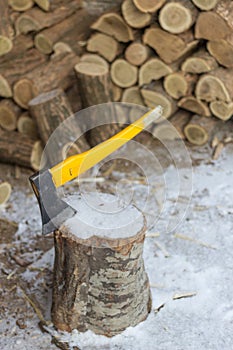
column 54, row 211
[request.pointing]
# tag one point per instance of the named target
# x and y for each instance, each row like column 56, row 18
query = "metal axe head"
column 54, row 211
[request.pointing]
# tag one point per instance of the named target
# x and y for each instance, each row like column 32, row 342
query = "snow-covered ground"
column 190, row 267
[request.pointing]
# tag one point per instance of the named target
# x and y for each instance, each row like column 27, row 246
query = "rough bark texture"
column 50, row 110
column 104, row 284
column 27, row 126
column 134, row 17
column 21, row 44
column 18, row 149
column 36, row 20
column 177, row 16
column 6, row 30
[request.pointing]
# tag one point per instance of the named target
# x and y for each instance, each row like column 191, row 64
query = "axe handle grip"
column 73, row 166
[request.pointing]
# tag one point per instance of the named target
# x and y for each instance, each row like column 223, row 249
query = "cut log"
column 157, row 96
column 149, row 5
column 6, row 30
column 177, row 16
column 199, row 62
column 222, row 51
column 168, row 46
column 21, row 5
column 123, row 73
column 12, row 71
column 104, row 45
column 153, row 69
column 205, row 23
column 20, row 45
column 174, row 129
column 50, row 110
column 134, row 17
column 96, row 59
column 35, row 20
column 27, row 126
column 217, row 85
column 5, row 192
column 110, row 288
column 16, row 148
column 117, row 92
column 199, row 130
column 205, row 5
column 192, row 104
column 74, row 98
column 58, row 72
column 132, row 95
column 76, row 25
column 114, row 25
column 137, row 53
column 98, row 7
column 179, row 84
column 222, row 110
column 94, row 82
column 9, row 113
column 51, row 5
column 61, row 48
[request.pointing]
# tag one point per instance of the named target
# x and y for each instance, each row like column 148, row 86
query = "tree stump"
column 100, row 283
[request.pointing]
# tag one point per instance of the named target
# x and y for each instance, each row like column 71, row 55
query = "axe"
column 55, row 211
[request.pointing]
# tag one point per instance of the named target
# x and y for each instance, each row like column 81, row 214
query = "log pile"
column 142, row 52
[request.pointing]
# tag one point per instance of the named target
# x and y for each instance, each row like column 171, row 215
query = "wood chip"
column 215, row 142
column 183, row 295
column 158, row 308
column 154, row 235
column 218, row 150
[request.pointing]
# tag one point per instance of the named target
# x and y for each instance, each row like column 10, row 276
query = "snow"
column 195, row 257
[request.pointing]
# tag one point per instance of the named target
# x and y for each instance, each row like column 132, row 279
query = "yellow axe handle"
column 78, row 164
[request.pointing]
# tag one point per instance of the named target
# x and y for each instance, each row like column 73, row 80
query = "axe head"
column 54, row 211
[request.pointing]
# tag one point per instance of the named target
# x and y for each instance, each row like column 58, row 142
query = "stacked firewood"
column 174, row 53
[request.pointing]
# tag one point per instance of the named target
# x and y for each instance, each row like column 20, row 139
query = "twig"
column 158, row 308
column 186, row 238
column 218, row 150
column 183, row 295
column 164, row 251
column 155, row 234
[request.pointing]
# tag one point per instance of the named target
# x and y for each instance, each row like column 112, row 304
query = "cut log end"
column 21, row 5
column 222, row 51
column 132, row 95
column 103, row 44
column 154, row 69
column 134, row 17
column 205, row 5
column 222, row 110
column 27, row 126
column 5, row 88
column 5, row 192
column 154, row 98
column 176, row 18
column 9, row 113
column 43, row 44
column 175, row 85
column 109, row 270
column 210, row 88
column 36, row 156
column 149, row 5
column 24, row 91
column 190, row 103
column 199, row 130
column 123, row 74
column 137, row 53
column 43, row 4
column 5, row 45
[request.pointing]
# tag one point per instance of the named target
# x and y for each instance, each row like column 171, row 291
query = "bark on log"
column 35, row 20
column 11, row 71
column 134, row 17
column 78, row 23
column 18, row 149
column 114, row 25
column 51, row 5
column 117, row 92
column 98, row 7
column 104, row 45
column 50, row 110
column 58, row 72
column 149, row 5
column 168, row 46
column 123, row 73
column 153, row 69
column 157, row 96
column 222, row 51
column 205, row 23
column 205, row 5
column 6, row 30
column 21, row 5
column 221, row 109
column 20, row 45
column 132, row 95
column 5, row 192
column 109, row 275
column 199, row 62
column 137, row 53
column 177, row 16
column 27, row 126
column 179, row 84
column 192, row 104
column 216, row 85
column 166, row 131
column 9, row 113
column 199, row 130
column 74, row 98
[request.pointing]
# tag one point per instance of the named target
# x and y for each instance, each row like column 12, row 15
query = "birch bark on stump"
column 100, row 283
